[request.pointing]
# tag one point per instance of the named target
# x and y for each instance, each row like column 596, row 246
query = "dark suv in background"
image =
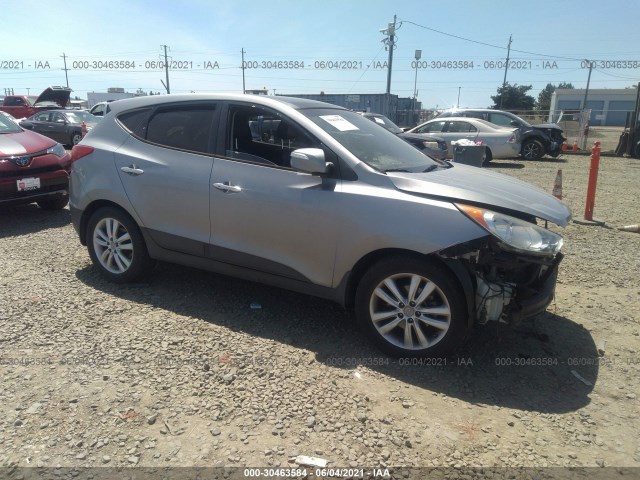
column 537, row 140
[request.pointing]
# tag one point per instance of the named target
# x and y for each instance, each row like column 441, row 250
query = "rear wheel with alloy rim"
column 116, row 245
column 411, row 308
column 532, row 150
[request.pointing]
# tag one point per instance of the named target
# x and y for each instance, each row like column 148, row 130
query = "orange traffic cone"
column 83, row 129
column 575, row 146
column 557, row 186
column 565, row 147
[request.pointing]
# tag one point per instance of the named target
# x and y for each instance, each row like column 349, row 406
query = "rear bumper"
column 76, row 218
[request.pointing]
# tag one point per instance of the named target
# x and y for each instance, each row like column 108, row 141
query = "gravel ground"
column 182, row 371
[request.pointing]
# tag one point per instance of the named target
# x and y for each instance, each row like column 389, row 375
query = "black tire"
column 119, row 261
column 488, row 156
column 57, row 202
column 404, row 320
column 76, row 137
column 532, row 149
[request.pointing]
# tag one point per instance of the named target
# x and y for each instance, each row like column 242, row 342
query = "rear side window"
column 184, row 128
column 13, row 102
column 431, row 127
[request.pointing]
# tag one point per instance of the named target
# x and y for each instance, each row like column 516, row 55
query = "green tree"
column 544, row 97
column 514, row 97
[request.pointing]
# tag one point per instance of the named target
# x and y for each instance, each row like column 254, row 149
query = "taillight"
column 79, row 151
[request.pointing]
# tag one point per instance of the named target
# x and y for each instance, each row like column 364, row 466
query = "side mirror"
column 309, row 160
column 514, row 123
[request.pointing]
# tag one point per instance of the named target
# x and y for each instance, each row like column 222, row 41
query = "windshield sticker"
column 338, row 122
column 379, row 120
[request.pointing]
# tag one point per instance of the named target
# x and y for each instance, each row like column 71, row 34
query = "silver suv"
column 318, row 199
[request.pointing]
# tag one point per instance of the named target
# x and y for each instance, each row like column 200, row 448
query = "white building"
column 110, row 95
column 608, row 106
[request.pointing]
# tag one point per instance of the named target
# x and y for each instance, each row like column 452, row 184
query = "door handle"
column 132, row 170
column 225, row 187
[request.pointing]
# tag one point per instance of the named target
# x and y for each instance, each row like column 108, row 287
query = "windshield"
column 8, row 126
column 385, row 122
column 377, row 147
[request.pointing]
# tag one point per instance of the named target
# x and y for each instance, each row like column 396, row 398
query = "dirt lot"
column 182, row 371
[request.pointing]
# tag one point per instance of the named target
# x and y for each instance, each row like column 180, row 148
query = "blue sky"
column 321, row 34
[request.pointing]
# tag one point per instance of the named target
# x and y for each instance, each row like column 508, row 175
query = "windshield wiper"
column 396, row 170
column 430, row 168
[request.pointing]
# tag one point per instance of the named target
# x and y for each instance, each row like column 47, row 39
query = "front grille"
column 29, row 172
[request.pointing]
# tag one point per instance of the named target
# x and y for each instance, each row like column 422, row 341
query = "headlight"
column 58, row 150
column 518, row 234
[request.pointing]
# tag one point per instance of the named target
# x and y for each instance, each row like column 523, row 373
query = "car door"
column 458, row 130
column 59, row 128
column 40, row 123
column 165, row 167
column 264, row 215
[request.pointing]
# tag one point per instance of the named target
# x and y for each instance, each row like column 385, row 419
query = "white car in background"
column 500, row 142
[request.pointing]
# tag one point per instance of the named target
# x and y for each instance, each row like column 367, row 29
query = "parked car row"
column 315, row 198
column 64, row 126
column 536, row 140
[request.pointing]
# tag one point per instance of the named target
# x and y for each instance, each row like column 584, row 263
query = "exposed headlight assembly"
column 517, row 234
column 58, row 150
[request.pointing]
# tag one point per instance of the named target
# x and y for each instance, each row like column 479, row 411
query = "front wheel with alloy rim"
column 411, row 308
column 116, row 245
column 532, row 150
column 76, row 138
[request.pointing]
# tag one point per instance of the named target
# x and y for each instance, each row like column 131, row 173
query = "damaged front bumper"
column 508, row 287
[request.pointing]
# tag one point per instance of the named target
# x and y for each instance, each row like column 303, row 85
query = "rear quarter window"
column 135, row 121
column 183, row 128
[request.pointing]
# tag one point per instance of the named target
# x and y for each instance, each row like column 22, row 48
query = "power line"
column 484, row 43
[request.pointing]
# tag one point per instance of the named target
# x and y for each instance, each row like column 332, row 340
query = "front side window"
column 42, row 117
column 264, row 136
column 98, row 110
column 184, row 128
column 461, row 127
column 57, row 118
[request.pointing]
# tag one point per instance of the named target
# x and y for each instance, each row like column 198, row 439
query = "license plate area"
column 28, row 184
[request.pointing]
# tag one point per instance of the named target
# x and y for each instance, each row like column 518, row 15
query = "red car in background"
column 33, row 168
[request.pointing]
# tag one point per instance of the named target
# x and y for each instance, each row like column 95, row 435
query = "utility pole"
column 166, row 69
column 506, row 67
column 633, row 137
column 586, row 92
column 391, row 31
column 244, row 90
column 64, row 57
column 389, row 41
column 418, row 56
column 458, row 104
column 584, row 127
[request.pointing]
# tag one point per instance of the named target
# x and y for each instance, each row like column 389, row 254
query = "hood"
column 482, row 187
column 23, row 143
column 58, row 95
column 548, row 126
